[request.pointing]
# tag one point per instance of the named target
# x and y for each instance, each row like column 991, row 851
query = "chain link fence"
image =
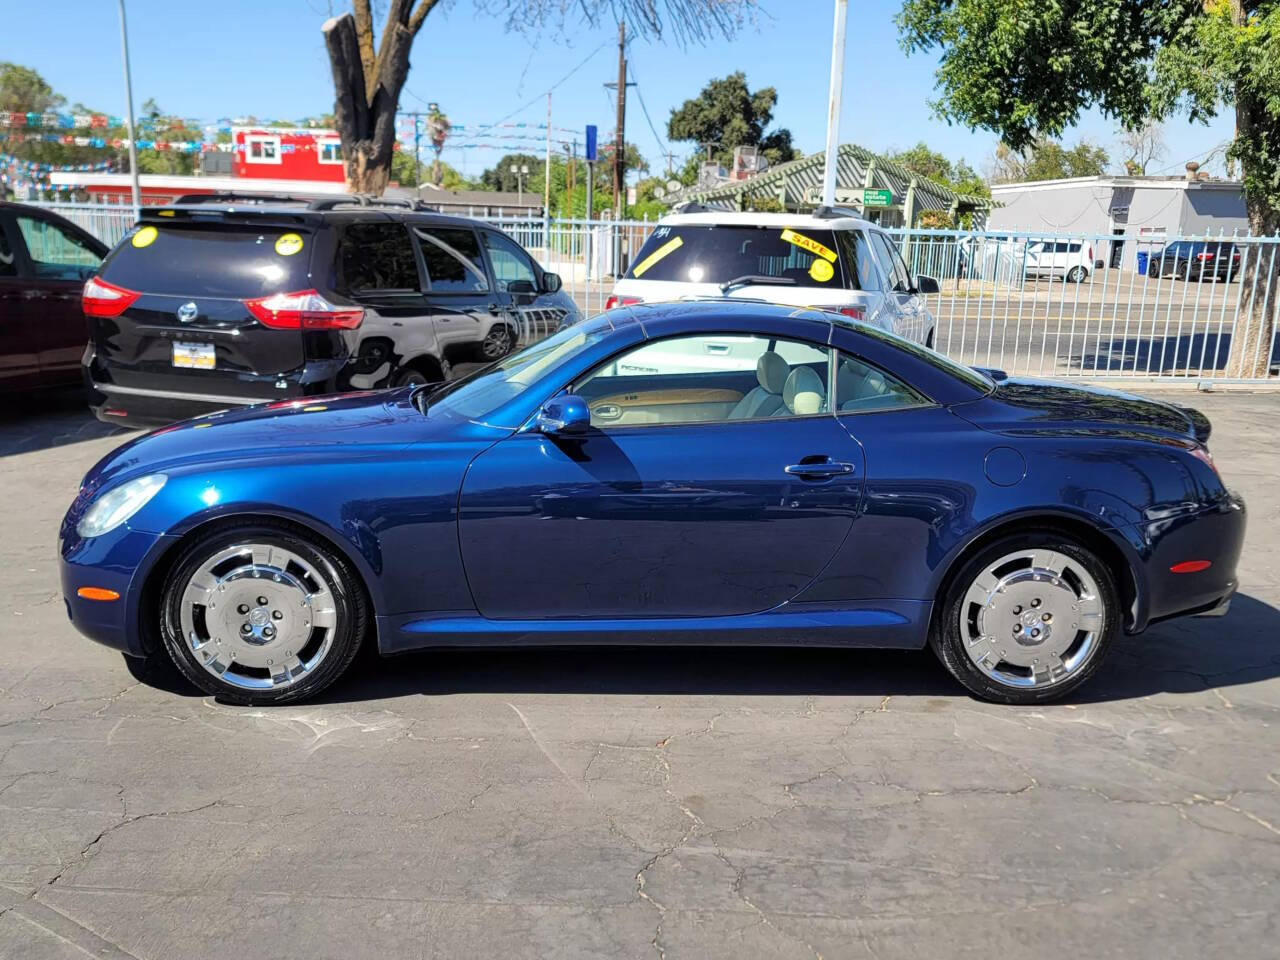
column 1098, row 307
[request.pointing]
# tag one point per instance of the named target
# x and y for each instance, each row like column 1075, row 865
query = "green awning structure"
column 882, row 190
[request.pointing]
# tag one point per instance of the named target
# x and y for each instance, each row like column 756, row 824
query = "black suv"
column 1196, row 259
column 208, row 304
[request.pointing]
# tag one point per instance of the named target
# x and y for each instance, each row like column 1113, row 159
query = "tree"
column 22, row 90
column 725, row 114
column 367, row 84
column 924, row 162
column 1140, row 146
column 1046, row 159
column 1027, row 71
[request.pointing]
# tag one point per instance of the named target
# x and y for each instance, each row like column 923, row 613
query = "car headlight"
column 116, row 506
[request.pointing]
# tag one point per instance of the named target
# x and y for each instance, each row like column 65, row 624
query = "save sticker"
column 821, row 271
column 288, row 244
column 805, row 243
column 651, row 259
column 144, row 237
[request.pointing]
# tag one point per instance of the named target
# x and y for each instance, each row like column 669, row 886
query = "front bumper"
column 120, row 561
column 1215, row 535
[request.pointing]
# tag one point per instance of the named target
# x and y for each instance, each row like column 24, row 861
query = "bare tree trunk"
column 367, row 88
column 1254, row 333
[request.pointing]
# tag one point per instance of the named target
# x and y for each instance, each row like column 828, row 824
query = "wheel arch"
column 159, row 566
column 428, row 364
column 1113, row 548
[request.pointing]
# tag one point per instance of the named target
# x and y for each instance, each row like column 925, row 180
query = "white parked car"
column 834, row 262
column 1072, row 260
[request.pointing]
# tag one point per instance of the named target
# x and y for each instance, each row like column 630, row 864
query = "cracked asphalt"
column 637, row 803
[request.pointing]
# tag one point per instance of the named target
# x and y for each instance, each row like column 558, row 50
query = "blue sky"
column 239, row 57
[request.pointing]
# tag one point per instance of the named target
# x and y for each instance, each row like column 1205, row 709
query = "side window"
column 376, row 257
column 899, row 280
column 510, row 263
column 862, row 388
column 56, row 254
column 859, row 262
column 8, row 259
column 452, row 256
column 708, row 378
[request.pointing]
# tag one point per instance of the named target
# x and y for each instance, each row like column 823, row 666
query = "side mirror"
column 927, row 285
column 551, row 282
column 564, row 416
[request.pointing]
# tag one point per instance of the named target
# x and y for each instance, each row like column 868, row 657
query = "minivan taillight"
column 102, row 299
column 303, row 310
column 617, row 301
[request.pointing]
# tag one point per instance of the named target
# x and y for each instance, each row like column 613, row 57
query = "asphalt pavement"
column 637, row 803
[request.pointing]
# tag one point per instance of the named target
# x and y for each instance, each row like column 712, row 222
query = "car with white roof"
column 830, row 259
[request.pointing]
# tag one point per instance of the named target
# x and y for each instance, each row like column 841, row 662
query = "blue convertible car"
column 697, row 473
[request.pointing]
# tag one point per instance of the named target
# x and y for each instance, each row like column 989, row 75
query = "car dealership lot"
column 686, row 803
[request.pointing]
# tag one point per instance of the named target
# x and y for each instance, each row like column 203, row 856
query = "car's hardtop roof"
column 299, row 213
column 835, row 220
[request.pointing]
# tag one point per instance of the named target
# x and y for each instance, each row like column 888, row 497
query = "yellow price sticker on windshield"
column 821, row 271
column 806, row 243
column 288, row 244
column 667, row 248
column 144, row 237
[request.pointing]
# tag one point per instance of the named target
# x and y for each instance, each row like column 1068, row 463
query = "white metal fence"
column 1092, row 306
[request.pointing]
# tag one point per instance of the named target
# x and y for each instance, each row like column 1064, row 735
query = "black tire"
column 350, row 606
column 948, row 631
column 409, row 377
column 1077, row 275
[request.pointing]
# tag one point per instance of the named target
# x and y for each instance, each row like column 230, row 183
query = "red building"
column 267, row 153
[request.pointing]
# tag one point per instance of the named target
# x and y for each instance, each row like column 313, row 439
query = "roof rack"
column 363, row 200
column 231, row 196
column 690, row 206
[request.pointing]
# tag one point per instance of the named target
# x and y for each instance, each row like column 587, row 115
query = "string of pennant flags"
column 105, row 121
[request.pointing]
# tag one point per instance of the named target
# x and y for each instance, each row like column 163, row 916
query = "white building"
column 1127, row 209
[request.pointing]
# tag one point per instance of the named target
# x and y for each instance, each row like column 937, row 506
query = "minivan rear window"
column 211, row 260
column 720, row 253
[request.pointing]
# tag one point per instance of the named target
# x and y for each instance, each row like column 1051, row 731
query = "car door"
column 673, row 504
column 60, row 259
column 518, row 279
column 463, row 302
column 905, row 303
column 19, row 366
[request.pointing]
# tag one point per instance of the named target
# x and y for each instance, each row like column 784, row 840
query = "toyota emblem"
column 187, row 312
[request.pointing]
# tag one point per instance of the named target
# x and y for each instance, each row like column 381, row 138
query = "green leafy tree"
column 726, row 115
column 925, row 162
column 1027, row 71
column 23, row 90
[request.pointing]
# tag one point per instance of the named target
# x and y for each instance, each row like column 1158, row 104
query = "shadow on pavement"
column 49, row 418
column 1183, row 656
column 1161, row 354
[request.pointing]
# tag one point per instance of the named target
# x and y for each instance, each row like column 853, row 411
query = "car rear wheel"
column 1027, row 618
column 497, row 342
column 1077, row 275
column 409, row 377
column 258, row 613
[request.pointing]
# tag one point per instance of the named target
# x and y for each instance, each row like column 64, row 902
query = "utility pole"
column 619, row 143
column 546, row 190
column 417, row 156
column 833, row 105
column 133, row 128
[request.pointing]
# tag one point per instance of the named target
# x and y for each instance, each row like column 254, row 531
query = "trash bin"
column 1142, row 263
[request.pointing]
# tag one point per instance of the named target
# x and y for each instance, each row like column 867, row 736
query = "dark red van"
column 44, row 262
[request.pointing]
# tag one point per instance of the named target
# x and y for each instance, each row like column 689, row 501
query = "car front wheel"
column 260, row 613
column 1027, row 618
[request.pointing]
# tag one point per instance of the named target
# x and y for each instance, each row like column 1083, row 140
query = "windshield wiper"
column 752, row 279
column 423, row 391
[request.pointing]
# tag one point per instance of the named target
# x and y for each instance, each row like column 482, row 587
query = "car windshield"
column 480, row 395
column 723, row 254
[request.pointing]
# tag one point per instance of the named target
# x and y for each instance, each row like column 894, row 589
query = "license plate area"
column 194, row 356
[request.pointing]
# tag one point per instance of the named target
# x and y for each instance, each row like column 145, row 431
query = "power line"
column 521, row 109
column 645, row 110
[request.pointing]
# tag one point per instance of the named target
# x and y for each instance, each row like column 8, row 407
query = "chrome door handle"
column 826, row 468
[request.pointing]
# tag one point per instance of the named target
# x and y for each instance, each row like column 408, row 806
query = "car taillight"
column 1204, row 256
column 102, row 299
column 1204, row 456
column 1089, row 252
column 617, row 301
column 303, row 310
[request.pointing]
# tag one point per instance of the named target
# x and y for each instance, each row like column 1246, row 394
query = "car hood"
column 1019, row 405
column 369, row 423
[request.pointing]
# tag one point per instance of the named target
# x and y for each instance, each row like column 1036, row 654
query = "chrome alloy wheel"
column 258, row 616
column 497, row 342
column 1032, row 619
